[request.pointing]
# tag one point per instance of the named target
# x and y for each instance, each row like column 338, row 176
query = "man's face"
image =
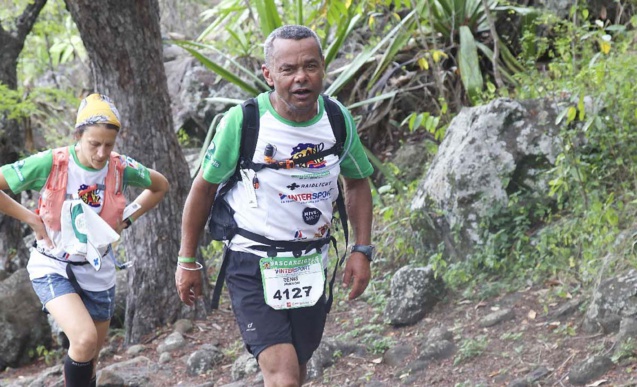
column 296, row 71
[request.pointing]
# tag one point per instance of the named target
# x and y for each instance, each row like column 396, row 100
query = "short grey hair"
column 294, row 32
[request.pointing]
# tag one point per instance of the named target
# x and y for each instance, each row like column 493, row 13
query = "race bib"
column 290, row 282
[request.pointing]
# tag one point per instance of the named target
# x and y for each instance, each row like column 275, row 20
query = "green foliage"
column 428, row 122
column 470, row 348
column 573, row 231
column 627, row 349
column 392, row 217
column 53, row 41
column 13, row 105
column 462, row 22
column 50, row 356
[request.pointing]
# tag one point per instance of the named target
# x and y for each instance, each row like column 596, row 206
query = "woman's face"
column 94, row 146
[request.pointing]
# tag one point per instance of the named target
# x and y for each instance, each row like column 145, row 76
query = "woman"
column 78, row 292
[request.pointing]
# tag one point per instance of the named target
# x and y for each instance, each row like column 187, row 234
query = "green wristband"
column 181, row 259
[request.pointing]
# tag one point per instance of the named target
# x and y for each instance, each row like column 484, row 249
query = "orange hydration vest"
column 54, row 192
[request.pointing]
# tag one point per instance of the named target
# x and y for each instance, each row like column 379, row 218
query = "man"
column 282, row 317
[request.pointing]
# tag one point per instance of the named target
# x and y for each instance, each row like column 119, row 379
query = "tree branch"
column 25, row 22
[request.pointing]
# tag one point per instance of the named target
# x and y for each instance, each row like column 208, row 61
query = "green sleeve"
column 222, row 155
column 29, row 173
column 135, row 174
column 355, row 164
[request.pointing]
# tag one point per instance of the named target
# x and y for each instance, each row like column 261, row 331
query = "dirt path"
column 493, row 356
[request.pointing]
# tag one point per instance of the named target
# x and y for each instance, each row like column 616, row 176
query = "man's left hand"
column 357, row 268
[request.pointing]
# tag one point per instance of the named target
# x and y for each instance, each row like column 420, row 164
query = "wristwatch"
column 368, row 250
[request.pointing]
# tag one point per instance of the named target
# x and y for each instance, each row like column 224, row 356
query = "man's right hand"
column 188, row 283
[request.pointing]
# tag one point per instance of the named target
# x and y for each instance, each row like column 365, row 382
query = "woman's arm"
column 10, row 207
column 151, row 196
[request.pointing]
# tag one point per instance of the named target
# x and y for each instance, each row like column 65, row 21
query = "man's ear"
column 266, row 75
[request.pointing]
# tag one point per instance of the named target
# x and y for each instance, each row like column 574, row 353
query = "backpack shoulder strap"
column 248, row 144
column 60, row 163
column 337, row 121
column 249, row 129
column 116, row 162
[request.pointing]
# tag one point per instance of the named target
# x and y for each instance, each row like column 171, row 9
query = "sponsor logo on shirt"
column 16, row 167
column 322, row 184
column 209, row 156
column 132, row 163
column 311, row 216
column 298, row 235
column 92, row 198
column 320, row 233
column 306, row 176
column 306, row 149
column 307, row 197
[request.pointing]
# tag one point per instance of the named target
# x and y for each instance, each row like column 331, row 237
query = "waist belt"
column 69, row 266
column 273, row 247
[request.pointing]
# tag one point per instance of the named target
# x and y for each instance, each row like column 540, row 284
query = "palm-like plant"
column 247, row 24
column 461, row 22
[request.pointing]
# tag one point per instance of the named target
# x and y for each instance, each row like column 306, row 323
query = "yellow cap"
column 97, row 109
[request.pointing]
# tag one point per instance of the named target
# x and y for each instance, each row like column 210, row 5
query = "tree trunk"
column 123, row 42
column 13, row 252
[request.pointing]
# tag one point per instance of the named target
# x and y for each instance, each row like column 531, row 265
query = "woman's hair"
column 79, row 131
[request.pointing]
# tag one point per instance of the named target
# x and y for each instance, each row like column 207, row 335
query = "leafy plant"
column 461, row 22
column 470, row 348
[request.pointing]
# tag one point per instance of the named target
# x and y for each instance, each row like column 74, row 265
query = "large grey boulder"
column 23, row 325
column 489, row 153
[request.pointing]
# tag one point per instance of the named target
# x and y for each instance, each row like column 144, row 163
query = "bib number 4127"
column 290, row 282
column 287, row 294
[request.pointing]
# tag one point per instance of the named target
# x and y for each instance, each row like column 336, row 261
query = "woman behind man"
column 72, row 270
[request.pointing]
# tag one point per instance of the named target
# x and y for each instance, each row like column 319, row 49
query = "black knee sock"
column 77, row 374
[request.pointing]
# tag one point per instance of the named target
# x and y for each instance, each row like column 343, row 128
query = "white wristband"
column 199, row 266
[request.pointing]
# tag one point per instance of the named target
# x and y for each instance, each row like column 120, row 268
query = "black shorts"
column 262, row 326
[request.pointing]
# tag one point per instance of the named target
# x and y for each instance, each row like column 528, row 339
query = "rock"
column 566, row 309
column 414, row 291
column 134, row 372
column 496, row 318
column 590, row 369
column 438, row 334
column 488, row 153
column 613, row 299
column 108, row 378
column 204, row 359
column 397, row 355
column 245, row 365
column 183, row 326
column 173, row 342
column 24, row 326
column 165, row 357
column 135, row 349
column 437, row 350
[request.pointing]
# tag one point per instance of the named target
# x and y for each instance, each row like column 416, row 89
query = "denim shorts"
column 262, row 326
column 100, row 305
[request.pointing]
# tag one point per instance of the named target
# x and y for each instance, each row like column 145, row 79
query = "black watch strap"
column 368, row 250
